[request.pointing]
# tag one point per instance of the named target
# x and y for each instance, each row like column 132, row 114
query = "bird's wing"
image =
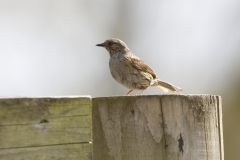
column 140, row 65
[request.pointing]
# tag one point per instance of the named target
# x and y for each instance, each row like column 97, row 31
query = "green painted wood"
column 29, row 124
column 33, row 110
column 63, row 152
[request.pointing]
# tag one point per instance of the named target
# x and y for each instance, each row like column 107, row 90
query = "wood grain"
column 32, row 126
column 68, row 152
column 157, row 127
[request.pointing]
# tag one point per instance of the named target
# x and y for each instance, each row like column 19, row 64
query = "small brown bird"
column 130, row 71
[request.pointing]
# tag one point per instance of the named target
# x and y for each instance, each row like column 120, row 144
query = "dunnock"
column 130, row 71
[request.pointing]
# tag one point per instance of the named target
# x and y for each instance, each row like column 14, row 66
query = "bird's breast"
column 124, row 73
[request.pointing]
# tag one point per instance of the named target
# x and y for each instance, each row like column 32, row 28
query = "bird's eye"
column 110, row 43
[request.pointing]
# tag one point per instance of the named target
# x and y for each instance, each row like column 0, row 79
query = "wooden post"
column 158, row 127
column 45, row 128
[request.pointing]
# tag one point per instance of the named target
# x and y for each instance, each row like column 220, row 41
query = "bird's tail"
column 167, row 86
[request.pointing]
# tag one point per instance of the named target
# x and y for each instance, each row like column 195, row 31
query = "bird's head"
column 114, row 45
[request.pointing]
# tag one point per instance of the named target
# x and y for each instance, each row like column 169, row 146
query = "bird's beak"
column 101, row 45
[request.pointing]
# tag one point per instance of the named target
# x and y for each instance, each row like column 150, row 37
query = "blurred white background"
column 47, row 48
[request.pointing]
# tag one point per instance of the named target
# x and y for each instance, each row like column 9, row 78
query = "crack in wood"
column 165, row 141
column 180, row 143
column 44, row 145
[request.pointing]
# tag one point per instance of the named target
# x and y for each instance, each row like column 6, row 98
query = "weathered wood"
column 36, row 126
column 68, row 152
column 157, row 127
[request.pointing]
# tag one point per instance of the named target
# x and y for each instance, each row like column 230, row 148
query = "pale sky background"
column 47, row 48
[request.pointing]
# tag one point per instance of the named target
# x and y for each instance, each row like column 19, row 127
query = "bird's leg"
column 128, row 93
column 141, row 91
